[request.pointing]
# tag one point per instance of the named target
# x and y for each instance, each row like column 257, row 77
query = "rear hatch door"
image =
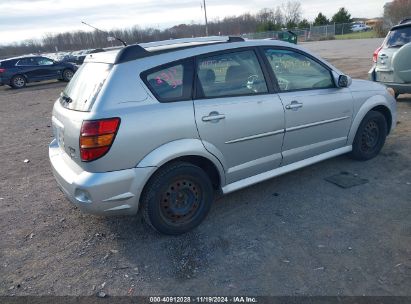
column 393, row 43
column 75, row 105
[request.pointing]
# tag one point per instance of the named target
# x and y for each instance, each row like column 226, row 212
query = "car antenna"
column 122, row 41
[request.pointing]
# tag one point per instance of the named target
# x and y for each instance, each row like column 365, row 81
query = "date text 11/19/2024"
column 239, row 299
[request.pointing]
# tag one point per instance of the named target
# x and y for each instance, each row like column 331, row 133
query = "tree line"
column 288, row 15
column 342, row 16
column 396, row 11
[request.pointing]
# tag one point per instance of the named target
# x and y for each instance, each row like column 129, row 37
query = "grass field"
column 359, row 35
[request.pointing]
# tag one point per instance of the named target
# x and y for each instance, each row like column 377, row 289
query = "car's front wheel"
column 177, row 198
column 67, row 74
column 18, row 82
column 370, row 137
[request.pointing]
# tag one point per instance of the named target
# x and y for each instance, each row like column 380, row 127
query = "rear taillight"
column 2, row 70
column 96, row 137
column 375, row 55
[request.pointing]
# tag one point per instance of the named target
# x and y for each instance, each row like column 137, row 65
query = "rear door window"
column 83, row 89
column 398, row 37
column 230, row 74
column 171, row 82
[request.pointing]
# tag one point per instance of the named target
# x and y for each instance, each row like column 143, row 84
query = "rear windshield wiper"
column 65, row 97
column 396, row 45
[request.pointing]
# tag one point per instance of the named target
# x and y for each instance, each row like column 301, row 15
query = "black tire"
column 67, row 74
column 18, row 82
column 370, row 137
column 177, row 198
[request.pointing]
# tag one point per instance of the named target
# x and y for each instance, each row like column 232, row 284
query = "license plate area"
column 385, row 76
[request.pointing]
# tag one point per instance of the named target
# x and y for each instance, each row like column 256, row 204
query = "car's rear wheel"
column 67, row 74
column 370, row 137
column 177, row 198
column 18, row 82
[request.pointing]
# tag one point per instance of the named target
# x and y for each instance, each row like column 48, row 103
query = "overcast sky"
column 26, row 19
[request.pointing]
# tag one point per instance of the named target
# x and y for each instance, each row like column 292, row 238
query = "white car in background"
column 360, row 27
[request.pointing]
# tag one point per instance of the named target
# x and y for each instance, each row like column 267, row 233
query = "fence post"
column 310, row 32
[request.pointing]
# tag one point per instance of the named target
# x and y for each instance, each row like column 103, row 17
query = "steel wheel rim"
column 370, row 136
column 180, row 202
column 68, row 75
column 19, row 81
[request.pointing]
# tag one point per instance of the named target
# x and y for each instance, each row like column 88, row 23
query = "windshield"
column 398, row 37
column 82, row 90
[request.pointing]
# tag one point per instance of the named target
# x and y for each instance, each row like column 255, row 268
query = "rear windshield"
column 83, row 89
column 7, row 64
column 398, row 37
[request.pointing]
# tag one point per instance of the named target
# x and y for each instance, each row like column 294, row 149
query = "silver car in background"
column 162, row 127
column 392, row 61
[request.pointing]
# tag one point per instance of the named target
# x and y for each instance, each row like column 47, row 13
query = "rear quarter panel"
column 144, row 128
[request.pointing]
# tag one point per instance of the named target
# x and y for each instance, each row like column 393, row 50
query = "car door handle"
column 294, row 105
column 213, row 117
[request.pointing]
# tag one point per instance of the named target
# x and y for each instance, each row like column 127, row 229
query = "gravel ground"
column 293, row 235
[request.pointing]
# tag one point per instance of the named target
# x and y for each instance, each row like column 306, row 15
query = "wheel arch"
column 204, row 163
column 190, row 151
column 387, row 114
column 375, row 103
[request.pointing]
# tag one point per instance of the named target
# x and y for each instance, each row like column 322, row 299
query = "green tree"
column 342, row 16
column 321, row 20
column 304, row 24
column 268, row 26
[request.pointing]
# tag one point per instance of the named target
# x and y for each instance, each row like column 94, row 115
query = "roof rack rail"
column 137, row 51
column 199, row 40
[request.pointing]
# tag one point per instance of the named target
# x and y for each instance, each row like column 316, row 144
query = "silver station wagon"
column 162, row 127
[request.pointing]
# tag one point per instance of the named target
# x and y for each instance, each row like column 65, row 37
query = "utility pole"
column 205, row 17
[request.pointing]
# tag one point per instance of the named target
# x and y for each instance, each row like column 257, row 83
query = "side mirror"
column 343, row 81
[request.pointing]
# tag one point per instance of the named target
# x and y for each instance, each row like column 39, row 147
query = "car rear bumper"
column 108, row 193
column 5, row 79
column 400, row 88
